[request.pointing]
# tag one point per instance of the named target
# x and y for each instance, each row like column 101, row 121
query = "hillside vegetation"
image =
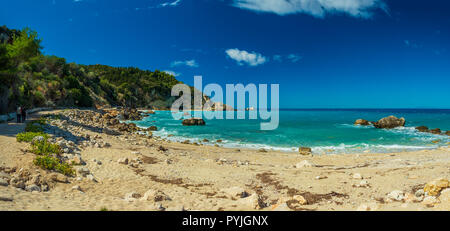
column 32, row 79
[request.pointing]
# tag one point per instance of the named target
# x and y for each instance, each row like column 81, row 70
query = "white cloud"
column 316, row 8
column 172, row 73
column 294, row 57
column 277, row 58
column 189, row 63
column 175, row 3
column 244, row 57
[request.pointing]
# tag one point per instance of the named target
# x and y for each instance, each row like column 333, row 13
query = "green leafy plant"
column 52, row 163
column 45, row 148
column 29, row 136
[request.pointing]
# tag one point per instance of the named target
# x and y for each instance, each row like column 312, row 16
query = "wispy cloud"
column 189, row 63
column 175, row 74
column 294, row 58
column 244, row 57
column 316, row 8
column 175, row 3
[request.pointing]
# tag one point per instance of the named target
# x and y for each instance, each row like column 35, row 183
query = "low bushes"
column 45, row 148
column 29, row 136
column 52, row 163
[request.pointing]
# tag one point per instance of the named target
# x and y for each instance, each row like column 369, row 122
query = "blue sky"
column 338, row 54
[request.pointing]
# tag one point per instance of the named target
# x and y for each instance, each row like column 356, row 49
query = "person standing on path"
column 24, row 114
column 19, row 114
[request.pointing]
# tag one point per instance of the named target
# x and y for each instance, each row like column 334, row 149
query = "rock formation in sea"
column 390, row 122
column 362, row 122
column 193, row 122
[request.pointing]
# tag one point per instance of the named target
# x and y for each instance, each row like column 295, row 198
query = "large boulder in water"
column 390, row 122
column 436, row 131
column 193, row 122
column 447, row 133
column 362, row 122
column 422, row 129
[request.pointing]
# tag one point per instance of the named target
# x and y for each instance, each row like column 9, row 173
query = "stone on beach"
column 155, row 195
column 396, row 195
column 254, row 201
column 430, row 201
column 6, row 198
column 434, row 187
column 357, row 176
column 304, row 164
column 235, row 192
column 132, row 196
column 3, row 182
column 305, row 151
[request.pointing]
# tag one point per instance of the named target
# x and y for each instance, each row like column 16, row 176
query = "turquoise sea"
column 326, row 131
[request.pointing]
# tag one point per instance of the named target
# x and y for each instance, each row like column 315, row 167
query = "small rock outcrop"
column 436, row 131
column 390, row 122
column 447, row 133
column 422, row 129
column 305, row 151
column 362, row 122
column 194, row 122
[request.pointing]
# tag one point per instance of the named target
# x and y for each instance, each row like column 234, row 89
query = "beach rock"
column 357, row 176
column 56, row 177
column 305, row 151
column 254, row 201
column 76, row 188
column 193, row 122
column 76, row 160
column 6, row 198
column 155, row 195
column 422, row 129
column 436, row 131
column 3, row 182
column 396, row 195
column 83, row 171
column 304, row 164
column 419, row 193
column 91, row 178
column 434, row 187
column 390, row 122
column 32, row 188
column 152, row 128
column 364, row 184
column 362, row 122
column 430, row 201
column 17, row 182
column 132, row 196
column 235, row 192
column 444, row 198
column 300, row 199
column 447, row 133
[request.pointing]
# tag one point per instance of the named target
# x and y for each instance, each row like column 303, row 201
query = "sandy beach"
column 136, row 172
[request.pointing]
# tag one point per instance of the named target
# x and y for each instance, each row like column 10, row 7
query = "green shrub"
column 32, row 127
column 45, row 148
column 36, row 126
column 28, row 136
column 54, row 164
